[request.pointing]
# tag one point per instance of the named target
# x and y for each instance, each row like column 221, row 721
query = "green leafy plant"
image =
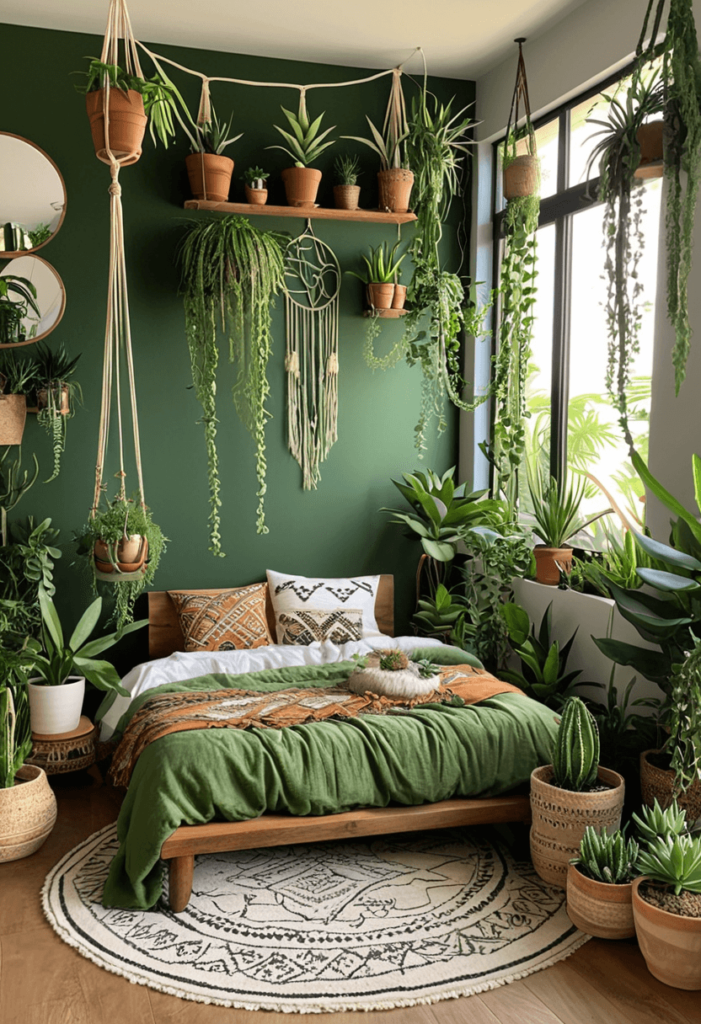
column 576, row 750
column 389, row 144
column 15, row 728
column 382, row 265
column 607, row 858
column 53, row 370
column 232, row 270
column 17, row 373
column 618, row 563
column 543, row 674
column 14, row 311
column 439, row 614
column 653, row 823
column 556, row 508
column 305, row 145
column 256, row 177
column 684, row 720
column 212, row 136
column 41, row 233
column 14, row 484
column 347, row 170
column 623, row 733
column 674, row 861
column 26, row 563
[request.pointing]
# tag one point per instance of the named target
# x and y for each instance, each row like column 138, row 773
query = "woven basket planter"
column 599, row 909
column 27, row 814
column 256, row 196
column 561, row 816
column 658, row 784
column 126, row 127
column 521, row 177
column 209, row 176
column 671, row 944
column 346, row 197
column 13, row 416
column 301, row 185
column 547, row 561
column 395, row 188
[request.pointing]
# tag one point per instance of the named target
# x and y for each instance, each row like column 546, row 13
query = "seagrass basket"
column 658, row 784
column 13, row 416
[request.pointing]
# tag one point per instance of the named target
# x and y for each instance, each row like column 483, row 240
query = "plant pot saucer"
column 654, row 169
column 387, row 314
column 298, row 205
column 119, row 577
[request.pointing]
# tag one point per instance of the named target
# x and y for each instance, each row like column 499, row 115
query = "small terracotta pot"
column 650, row 140
column 658, row 784
column 395, row 187
column 399, row 297
column 130, row 554
column 13, row 416
column 599, row 909
column 127, row 124
column 521, row 177
column 301, row 185
column 27, row 813
column 346, row 197
column 256, row 196
column 670, row 943
column 42, row 399
column 380, row 296
column 560, row 818
column 547, row 561
column 211, row 174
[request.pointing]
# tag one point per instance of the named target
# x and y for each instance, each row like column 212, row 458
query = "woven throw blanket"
column 240, row 709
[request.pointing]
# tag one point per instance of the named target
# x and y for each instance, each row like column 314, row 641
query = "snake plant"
column 576, row 750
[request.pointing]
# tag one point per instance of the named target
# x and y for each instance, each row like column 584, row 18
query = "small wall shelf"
column 315, row 213
column 386, row 314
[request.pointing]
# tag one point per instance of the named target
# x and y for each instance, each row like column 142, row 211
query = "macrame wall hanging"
column 312, row 289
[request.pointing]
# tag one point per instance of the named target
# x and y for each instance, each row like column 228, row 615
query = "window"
column 572, row 420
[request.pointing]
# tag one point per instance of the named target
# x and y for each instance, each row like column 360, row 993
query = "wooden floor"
column 44, row 981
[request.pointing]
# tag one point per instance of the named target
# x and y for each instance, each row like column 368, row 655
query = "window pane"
column 581, row 141
column 540, row 366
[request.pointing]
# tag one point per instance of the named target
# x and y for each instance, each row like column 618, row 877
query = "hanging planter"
column 521, row 177
column 127, row 124
column 57, row 396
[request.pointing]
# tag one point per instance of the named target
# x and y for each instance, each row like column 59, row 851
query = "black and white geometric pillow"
column 291, row 595
column 314, row 625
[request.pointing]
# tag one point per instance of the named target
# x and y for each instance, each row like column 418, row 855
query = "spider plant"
column 306, row 145
column 556, row 507
column 17, row 374
column 57, row 395
column 382, row 266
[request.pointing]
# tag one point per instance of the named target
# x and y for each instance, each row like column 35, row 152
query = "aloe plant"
column 306, row 145
column 674, row 861
column 212, row 135
column 607, row 858
column 654, row 823
column 576, row 749
column 382, row 265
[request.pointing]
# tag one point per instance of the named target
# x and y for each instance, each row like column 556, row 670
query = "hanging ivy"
column 231, row 272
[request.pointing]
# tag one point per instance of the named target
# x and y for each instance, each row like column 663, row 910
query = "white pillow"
column 312, row 594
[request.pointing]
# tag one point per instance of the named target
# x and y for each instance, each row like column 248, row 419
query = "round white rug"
column 363, row 925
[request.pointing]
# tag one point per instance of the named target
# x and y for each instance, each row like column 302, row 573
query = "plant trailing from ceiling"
column 233, row 270
column 57, row 395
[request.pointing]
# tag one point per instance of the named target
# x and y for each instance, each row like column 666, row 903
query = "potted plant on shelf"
column 17, row 378
column 56, row 691
column 13, row 311
column 380, row 278
column 557, row 519
column 254, row 184
column 57, row 395
column 305, row 146
column 27, row 802
column 570, row 794
column 208, row 171
column 346, row 191
column 600, row 885
column 395, row 179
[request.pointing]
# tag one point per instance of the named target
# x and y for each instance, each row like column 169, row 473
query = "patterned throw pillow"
column 232, row 620
column 305, row 627
column 347, row 598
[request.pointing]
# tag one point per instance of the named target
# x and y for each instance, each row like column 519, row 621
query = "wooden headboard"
column 165, row 636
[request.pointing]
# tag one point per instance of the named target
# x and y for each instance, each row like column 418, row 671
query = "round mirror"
column 32, row 196
column 32, row 301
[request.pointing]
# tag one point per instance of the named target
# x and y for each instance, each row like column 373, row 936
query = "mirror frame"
column 57, row 321
column 27, row 252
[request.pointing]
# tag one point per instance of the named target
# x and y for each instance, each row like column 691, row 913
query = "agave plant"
column 212, row 135
column 556, row 507
column 306, row 145
column 607, row 858
column 654, row 823
column 674, row 861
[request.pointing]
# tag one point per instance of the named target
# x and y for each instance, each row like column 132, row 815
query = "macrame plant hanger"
column 520, row 97
column 312, row 294
column 118, row 327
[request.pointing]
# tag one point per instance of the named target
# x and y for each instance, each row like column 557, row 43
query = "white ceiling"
column 461, row 38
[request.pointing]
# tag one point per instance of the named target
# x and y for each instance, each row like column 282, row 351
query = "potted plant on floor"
column 380, row 277
column 14, row 311
column 208, row 171
column 543, row 675
column 56, row 690
column 27, row 802
column 570, row 794
column 254, row 184
column 57, row 395
column 17, row 378
column 346, row 191
column 600, row 885
column 305, row 147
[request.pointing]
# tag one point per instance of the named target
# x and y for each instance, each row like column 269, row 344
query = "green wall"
column 335, row 530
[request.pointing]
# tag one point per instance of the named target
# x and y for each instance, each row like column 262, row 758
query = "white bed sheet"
column 181, row 666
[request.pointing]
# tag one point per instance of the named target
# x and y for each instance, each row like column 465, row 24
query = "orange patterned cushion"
column 232, row 620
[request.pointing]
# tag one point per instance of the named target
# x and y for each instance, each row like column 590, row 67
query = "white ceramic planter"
column 56, row 709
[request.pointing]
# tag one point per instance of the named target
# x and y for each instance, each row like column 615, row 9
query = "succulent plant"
column 393, row 661
column 674, row 861
column 576, row 751
column 655, row 823
column 607, row 858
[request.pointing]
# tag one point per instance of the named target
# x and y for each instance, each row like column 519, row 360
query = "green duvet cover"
column 432, row 753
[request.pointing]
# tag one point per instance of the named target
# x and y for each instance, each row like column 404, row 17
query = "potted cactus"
column 346, row 191
column 570, row 794
column 600, row 885
column 254, row 184
column 381, row 277
column 305, row 146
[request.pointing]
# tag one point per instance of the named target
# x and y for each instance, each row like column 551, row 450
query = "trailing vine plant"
column 233, row 271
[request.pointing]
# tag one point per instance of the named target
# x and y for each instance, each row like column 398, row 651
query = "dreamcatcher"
column 313, row 285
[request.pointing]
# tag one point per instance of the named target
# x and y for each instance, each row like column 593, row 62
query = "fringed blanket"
column 240, row 709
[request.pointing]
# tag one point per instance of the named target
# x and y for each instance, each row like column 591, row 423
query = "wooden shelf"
column 386, row 314
column 315, row 213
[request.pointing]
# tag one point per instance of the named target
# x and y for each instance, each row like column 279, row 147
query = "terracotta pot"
column 521, row 177
column 346, row 197
column 130, row 554
column 301, row 185
column 380, row 296
column 598, row 908
column 211, row 174
column 256, row 196
column 547, row 560
column 127, row 124
column 42, row 399
column 395, row 188
column 670, row 943
column 650, row 140
column 561, row 816
column 55, row 710
column 27, row 813
column 658, row 783
column 13, row 416
column 399, row 297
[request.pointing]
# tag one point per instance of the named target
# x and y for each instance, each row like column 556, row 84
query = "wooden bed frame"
column 186, row 842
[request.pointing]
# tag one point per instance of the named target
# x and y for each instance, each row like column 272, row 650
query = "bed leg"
column 180, row 882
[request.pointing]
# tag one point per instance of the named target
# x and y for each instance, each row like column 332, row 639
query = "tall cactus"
column 576, row 750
